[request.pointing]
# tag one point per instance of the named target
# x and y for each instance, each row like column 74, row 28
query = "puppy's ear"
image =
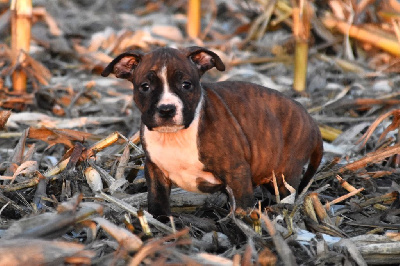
column 123, row 65
column 204, row 59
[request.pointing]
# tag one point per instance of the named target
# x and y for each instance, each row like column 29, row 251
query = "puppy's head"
column 166, row 83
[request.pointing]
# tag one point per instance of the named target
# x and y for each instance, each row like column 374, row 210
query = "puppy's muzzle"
column 166, row 111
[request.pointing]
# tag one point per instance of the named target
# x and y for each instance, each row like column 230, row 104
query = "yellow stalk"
column 300, row 66
column 302, row 13
column 329, row 133
column 21, row 15
column 193, row 18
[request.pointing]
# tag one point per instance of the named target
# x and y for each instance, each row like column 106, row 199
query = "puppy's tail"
column 315, row 160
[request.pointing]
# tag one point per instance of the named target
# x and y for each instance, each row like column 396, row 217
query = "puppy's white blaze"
column 167, row 97
column 177, row 155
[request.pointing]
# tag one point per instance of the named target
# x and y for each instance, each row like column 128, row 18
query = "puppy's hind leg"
column 312, row 168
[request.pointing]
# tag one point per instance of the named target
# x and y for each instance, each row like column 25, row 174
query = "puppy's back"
column 281, row 134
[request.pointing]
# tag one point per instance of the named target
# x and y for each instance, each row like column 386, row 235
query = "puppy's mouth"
column 168, row 129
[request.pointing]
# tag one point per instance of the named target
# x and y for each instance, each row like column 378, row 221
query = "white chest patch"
column 177, row 155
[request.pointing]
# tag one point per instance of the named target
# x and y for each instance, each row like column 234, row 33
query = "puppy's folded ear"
column 204, row 59
column 123, row 65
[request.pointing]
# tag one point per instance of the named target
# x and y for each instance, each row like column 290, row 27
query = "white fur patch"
column 177, row 155
column 168, row 97
column 168, row 129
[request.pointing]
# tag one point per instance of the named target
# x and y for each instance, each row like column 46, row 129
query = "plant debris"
column 72, row 187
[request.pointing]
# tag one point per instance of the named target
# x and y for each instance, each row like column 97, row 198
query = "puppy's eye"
column 186, row 85
column 144, row 87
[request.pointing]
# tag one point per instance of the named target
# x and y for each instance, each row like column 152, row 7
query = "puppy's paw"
column 250, row 217
column 240, row 212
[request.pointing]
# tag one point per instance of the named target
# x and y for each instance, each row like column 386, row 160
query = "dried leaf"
column 123, row 162
column 18, row 155
column 169, row 32
column 125, row 238
column 93, row 179
column 4, row 115
column 26, row 168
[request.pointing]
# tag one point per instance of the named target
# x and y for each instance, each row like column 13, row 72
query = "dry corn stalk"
column 387, row 198
column 302, row 14
column 193, row 18
column 309, row 209
column 260, row 24
column 329, row 133
column 393, row 126
column 342, row 198
column 98, row 146
column 319, row 208
column 282, row 248
column 21, row 15
column 345, row 184
column 383, row 40
column 372, row 157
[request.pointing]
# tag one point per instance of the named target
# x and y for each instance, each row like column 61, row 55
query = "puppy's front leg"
column 159, row 189
column 240, row 183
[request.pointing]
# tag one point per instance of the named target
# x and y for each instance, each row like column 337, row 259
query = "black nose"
column 167, row 110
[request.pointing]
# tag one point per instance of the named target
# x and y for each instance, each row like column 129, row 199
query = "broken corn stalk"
column 319, row 208
column 21, row 16
column 98, row 146
column 309, row 209
column 329, row 133
column 345, row 184
column 193, row 18
column 302, row 13
column 380, row 39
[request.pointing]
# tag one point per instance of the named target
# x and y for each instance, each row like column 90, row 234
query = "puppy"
column 203, row 137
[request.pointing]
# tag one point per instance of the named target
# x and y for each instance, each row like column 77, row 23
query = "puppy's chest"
column 177, row 155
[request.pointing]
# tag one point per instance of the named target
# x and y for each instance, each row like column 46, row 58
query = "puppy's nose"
column 167, row 110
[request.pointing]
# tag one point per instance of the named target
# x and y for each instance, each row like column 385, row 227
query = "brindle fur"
column 245, row 133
